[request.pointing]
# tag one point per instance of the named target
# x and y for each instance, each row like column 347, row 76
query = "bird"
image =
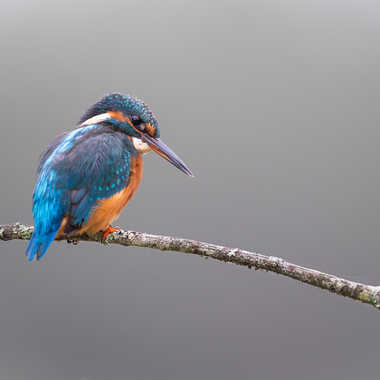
column 87, row 175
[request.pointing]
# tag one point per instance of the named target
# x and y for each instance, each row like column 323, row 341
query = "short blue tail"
column 38, row 245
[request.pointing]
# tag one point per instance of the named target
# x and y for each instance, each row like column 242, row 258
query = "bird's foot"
column 108, row 231
column 73, row 241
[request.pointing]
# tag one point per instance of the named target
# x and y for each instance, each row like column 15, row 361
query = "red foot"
column 109, row 230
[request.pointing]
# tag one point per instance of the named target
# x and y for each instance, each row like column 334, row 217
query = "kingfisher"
column 87, row 175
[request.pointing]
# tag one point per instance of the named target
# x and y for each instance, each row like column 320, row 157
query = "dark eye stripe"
column 136, row 120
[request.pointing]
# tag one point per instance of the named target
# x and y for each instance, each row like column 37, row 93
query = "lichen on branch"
column 340, row 286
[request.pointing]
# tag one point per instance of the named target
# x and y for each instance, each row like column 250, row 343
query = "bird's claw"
column 73, row 241
column 108, row 231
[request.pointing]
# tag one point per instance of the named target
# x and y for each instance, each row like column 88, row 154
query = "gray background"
column 274, row 105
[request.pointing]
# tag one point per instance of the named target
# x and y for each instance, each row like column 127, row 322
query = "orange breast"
column 109, row 209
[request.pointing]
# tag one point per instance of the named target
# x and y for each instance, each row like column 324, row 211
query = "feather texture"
column 77, row 171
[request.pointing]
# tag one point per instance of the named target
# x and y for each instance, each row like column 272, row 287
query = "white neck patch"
column 96, row 119
column 139, row 145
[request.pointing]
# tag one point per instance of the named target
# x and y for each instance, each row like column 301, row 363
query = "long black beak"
column 164, row 151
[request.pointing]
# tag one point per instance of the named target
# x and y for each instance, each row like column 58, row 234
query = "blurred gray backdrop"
column 274, row 105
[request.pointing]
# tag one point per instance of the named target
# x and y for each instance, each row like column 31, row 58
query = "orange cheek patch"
column 151, row 129
column 117, row 115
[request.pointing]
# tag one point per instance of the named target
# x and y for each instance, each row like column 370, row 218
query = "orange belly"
column 107, row 210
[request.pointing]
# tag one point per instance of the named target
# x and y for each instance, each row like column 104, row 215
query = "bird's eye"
column 136, row 120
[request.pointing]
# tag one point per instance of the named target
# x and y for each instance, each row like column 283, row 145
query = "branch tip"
column 360, row 292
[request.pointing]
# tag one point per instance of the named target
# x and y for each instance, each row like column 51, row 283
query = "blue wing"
column 78, row 169
column 101, row 167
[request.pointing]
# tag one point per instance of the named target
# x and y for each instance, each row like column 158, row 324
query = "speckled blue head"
column 134, row 118
column 125, row 109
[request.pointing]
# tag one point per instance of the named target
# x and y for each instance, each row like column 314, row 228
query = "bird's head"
column 134, row 118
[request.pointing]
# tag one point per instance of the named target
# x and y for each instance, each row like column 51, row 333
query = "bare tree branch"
column 357, row 291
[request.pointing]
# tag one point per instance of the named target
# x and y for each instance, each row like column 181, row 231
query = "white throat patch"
column 140, row 146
